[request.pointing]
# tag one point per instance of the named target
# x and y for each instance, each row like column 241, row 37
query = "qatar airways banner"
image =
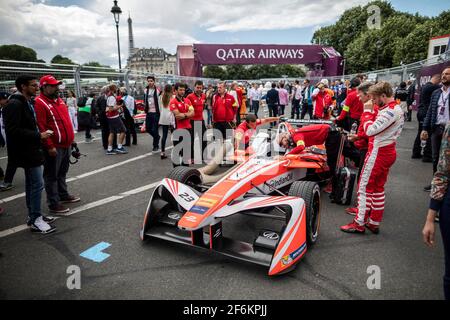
column 223, row 54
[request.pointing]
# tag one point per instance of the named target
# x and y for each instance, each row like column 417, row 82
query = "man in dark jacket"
column 152, row 111
column 438, row 116
column 273, row 101
column 25, row 149
column 425, row 97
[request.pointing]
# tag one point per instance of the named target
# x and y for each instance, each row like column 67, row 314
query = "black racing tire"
column 185, row 175
column 309, row 191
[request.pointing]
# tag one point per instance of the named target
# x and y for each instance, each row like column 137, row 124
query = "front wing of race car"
column 168, row 217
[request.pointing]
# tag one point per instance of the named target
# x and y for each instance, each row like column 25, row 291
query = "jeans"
column 55, row 172
column 255, row 107
column 444, row 222
column 34, row 185
column 152, row 125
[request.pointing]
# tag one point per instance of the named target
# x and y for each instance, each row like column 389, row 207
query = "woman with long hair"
column 72, row 107
column 167, row 118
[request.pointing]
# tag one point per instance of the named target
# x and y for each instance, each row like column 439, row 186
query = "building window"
column 439, row 50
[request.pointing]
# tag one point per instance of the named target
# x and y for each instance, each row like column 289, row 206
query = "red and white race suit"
column 383, row 130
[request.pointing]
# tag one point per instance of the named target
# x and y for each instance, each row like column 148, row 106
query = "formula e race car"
column 280, row 194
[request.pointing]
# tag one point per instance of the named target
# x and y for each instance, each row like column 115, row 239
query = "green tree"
column 17, row 52
column 215, row 72
column 352, row 24
column 61, row 60
column 236, row 72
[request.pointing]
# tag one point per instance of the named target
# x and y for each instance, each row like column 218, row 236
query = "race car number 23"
column 186, row 197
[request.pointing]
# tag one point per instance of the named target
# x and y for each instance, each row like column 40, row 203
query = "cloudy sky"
column 85, row 31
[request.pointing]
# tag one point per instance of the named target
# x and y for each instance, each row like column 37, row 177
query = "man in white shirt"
column 255, row 98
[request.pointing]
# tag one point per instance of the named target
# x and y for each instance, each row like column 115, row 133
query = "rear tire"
column 310, row 192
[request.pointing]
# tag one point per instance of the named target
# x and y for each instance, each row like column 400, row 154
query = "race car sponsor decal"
column 174, row 216
column 281, row 181
column 287, row 260
column 206, row 202
column 191, row 218
column 271, row 235
column 199, row 209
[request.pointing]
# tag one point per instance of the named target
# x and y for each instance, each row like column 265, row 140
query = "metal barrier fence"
column 392, row 75
column 83, row 80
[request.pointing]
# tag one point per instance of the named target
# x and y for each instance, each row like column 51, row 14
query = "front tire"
column 310, row 192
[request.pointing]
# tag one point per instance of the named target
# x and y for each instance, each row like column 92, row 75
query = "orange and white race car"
column 187, row 208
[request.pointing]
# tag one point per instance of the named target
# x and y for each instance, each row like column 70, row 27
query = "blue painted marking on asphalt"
column 95, row 253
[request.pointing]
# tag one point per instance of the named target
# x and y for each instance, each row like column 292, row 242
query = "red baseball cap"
column 49, row 80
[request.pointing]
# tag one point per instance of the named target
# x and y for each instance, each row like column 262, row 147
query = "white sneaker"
column 40, row 226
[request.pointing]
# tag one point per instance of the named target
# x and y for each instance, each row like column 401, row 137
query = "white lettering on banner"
column 261, row 55
column 272, row 54
column 221, row 54
column 236, row 53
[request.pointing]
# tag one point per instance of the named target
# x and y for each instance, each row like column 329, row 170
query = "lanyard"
column 444, row 103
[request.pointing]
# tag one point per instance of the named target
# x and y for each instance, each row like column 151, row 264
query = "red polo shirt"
column 244, row 131
column 198, row 103
column 183, row 107
column 309, row 136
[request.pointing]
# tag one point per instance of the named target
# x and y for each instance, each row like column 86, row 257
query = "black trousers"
column 131, row 130
column 225, row 128
column 307, row 108
column 198, row 130
column 295, row 111
column 417, row 149
column 436, row 140
column 273, row 112
column 178, row 157
column 10, row 173
column 55, row 172
column 105, row 133
column 152, row 127
column 165, row 134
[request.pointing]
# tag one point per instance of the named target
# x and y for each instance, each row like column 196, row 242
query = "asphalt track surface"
column 35, row 266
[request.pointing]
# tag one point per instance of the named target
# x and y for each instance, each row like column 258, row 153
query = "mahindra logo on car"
column 271, row 235
column 174, row 216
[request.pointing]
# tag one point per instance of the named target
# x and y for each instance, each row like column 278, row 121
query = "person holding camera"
column 52, row 115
